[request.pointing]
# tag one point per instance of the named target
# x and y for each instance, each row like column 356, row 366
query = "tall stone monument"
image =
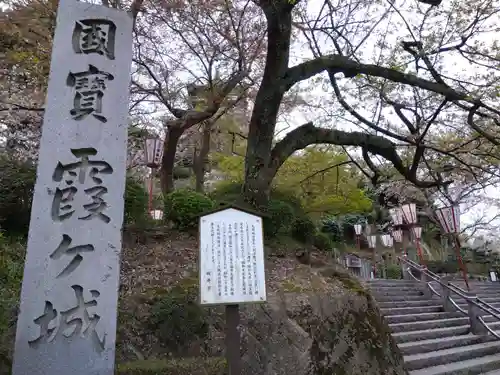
column 67, row 321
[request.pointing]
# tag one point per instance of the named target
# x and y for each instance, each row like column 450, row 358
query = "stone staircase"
column 435, row 342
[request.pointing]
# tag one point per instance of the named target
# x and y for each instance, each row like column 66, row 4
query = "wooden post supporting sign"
column 233, row 354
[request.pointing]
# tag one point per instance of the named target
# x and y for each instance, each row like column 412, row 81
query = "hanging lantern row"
column 386, row 238
column 407, row 213
column 449, row 218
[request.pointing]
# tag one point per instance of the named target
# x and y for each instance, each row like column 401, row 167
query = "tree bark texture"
column 201, row 157
column 168, row 159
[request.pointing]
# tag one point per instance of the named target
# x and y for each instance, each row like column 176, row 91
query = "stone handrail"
column 476, row 306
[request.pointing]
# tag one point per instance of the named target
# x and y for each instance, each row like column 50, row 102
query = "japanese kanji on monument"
column 67, row 319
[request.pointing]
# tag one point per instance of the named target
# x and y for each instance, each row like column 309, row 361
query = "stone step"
column 446, row 356
column 479, row 289
column 440, row 323
column 494, row 372
column 381, row 282
column 396, row 292
column 398, row 304
column 485, row 296
column 463, row 304
column 489, row 299
column 419, row 316
column 425, row 346
column 428, row 324
column 401, row 297
column 476, row 284
column 428, row 334
column 474, row 366
column 398, row 288
column 475, row 290
column 411, row 310
column 485, row 291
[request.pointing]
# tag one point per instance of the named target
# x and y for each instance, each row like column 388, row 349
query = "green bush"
column 394, row 272
column 177, row 318
column 332, row 226
column 280, row 218
column 136, row 201
column 288, row 197
column 11, row 273
column 323, row 242
column 440, row 267
column 17, row 181
column 183, row 207
column 303, row 229
column 226, row 192
column 341, row 228
column 230, row 192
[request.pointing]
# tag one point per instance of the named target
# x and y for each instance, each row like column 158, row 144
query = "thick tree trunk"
column 257, row 186
column 201, row 158
column 267, row 102
column 167, row 162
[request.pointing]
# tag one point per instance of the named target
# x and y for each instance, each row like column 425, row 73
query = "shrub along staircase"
column 436, row 338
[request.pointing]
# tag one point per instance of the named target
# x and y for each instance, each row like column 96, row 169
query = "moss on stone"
column 184, row 366
column 177, row 318
column 289, row 286
column 356, row 341
column 349, row 282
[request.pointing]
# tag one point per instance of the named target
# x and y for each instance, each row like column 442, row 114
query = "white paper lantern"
column 397, row 235
column 410, row 213
column 358, row 228
column 387, row 240
column 153, row 151
column 417, row 232
column 449, row 218
column 372, row 242
column 396, row 215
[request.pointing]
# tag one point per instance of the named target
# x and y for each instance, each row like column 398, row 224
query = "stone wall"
column 318, row 333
